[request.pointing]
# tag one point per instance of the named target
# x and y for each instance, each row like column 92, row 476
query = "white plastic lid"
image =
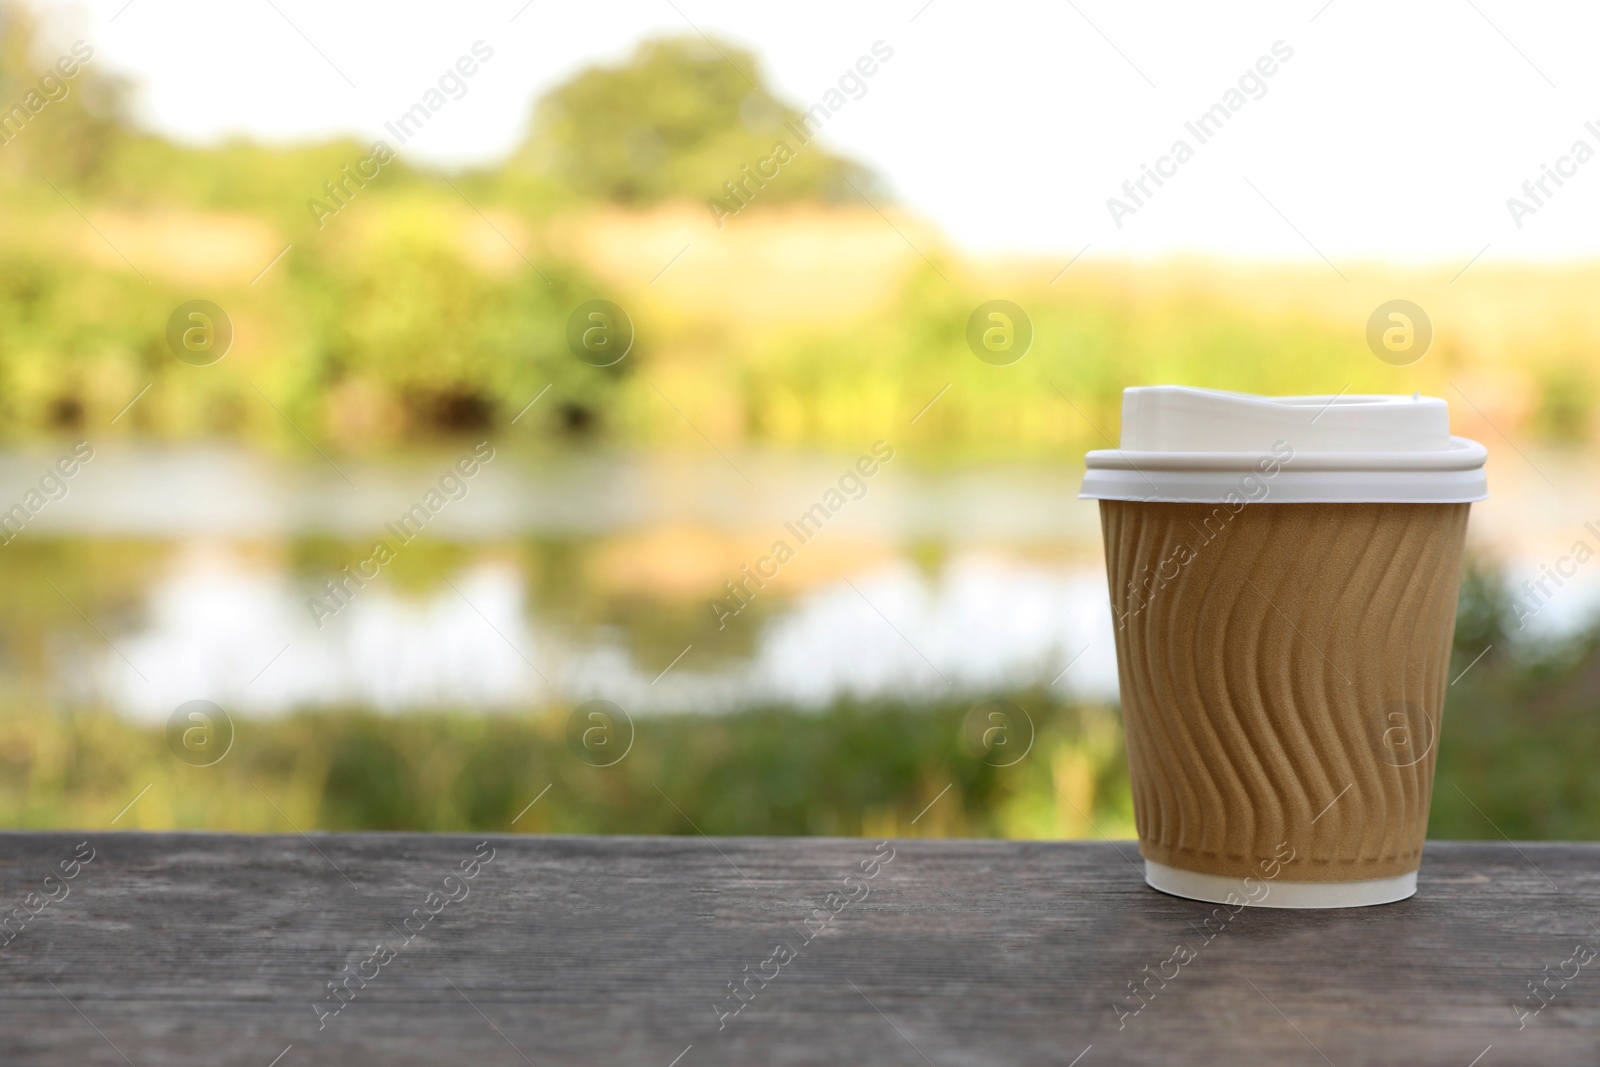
column 1187, row 445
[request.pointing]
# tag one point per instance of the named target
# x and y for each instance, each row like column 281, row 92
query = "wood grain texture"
column 190, row 949
column 1269, row 659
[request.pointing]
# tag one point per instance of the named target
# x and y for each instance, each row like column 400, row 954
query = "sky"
column 1384, row 132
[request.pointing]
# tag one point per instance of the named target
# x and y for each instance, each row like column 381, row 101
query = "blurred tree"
column 681, row 117
column 54, row 125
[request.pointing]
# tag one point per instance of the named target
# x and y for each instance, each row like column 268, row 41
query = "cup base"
column 1215, row 889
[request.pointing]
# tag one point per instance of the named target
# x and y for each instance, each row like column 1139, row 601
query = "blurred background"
column 331, row 498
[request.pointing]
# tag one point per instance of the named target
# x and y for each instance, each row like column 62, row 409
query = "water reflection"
column 239, row 633
column 168, row 576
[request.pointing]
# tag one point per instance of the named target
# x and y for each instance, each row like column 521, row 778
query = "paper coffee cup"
column 1284, row 574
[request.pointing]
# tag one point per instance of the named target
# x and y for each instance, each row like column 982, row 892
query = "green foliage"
column 854, row 769
column 70, row 123
column 434, row 305
column 1566, row 392
column 384, row 320
column 676, row 120
column 1091, row 341
column 1516, row 756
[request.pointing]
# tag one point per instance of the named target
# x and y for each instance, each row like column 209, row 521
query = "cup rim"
column 1453, row 475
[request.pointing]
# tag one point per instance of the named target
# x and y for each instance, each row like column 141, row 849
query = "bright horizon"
column 1352, row 133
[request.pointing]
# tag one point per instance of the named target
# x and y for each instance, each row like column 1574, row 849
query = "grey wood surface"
column 217, row 949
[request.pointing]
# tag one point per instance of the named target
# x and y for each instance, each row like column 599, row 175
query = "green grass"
column 854, row 769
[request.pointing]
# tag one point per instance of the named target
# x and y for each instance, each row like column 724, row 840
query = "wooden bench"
column 178, row 949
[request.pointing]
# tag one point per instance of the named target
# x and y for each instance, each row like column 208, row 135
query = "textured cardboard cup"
column 1283, row 669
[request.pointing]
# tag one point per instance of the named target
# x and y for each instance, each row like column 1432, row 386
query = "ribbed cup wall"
column 1283, row 670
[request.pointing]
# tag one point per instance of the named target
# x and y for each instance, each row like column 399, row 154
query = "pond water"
column 154, row 576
